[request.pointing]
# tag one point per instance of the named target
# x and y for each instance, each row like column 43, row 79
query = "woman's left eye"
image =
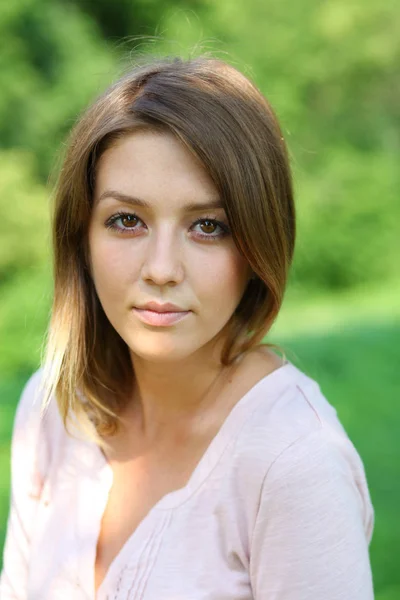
column 211, row 228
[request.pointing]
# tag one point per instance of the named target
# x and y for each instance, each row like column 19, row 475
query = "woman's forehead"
column 149, row 167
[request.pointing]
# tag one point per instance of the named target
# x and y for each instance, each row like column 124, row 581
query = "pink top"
column 278, row 508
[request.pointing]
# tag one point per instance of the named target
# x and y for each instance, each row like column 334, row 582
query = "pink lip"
column 161, row 308
column 160, row 319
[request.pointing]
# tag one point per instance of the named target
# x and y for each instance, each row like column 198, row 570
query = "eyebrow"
column 191, row 207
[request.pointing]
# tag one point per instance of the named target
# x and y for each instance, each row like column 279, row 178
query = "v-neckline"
column 159, row 515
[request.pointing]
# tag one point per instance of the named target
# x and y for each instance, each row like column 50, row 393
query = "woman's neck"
column 170, row 396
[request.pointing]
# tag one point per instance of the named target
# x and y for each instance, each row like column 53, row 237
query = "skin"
column 160, row 256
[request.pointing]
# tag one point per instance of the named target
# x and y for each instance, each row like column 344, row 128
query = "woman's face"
column 153, row 237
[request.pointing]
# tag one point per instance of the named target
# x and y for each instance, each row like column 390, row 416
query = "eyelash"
column 110, row 224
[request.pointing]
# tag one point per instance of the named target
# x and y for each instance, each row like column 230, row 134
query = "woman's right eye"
column 129, row 222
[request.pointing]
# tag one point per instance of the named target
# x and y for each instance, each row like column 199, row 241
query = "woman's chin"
column 162, row 352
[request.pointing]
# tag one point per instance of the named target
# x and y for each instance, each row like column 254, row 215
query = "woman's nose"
column 162, row 263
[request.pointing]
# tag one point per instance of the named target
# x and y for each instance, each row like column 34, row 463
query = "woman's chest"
column 191, row 551
column 137, row 488
column 192, row 548
column 156, row 531
column 135, row 491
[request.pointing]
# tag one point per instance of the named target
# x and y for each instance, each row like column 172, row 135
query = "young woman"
column 178, row 457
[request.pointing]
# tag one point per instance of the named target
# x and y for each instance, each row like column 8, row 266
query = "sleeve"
column 26, row 486
column 314, row 524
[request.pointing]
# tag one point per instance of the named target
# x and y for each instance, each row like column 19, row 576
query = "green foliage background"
column 330, row 69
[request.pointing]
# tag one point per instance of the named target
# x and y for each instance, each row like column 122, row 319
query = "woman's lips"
column 160, row 319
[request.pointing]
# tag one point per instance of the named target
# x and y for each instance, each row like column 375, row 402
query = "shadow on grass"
column 357, row 369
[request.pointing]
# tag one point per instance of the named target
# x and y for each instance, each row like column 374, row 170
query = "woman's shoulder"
column 30, row 406
column 292, row 441
column 290, row 426
column 287, row 405
column 37, row 428
column 28, row 412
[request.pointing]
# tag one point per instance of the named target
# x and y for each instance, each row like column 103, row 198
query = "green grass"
column 356, row 365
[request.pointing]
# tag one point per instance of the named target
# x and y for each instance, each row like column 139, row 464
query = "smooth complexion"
column 159, row 233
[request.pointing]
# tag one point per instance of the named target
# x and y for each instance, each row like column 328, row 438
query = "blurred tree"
column 126, row 18
column 25, row 276
column 52, row 62
column 348, row 223
column 330, row 68
column 24, row 210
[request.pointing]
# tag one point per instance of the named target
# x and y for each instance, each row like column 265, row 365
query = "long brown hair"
column 229, row 125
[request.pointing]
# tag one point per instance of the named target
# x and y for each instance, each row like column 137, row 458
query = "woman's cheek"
column 223, row 279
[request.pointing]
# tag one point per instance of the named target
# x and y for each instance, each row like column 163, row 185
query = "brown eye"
column 129, row 221
column 208, row 226
column 210, row 229
column 122, row 222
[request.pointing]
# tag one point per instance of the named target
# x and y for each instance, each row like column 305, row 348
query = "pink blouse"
column 278, row 508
